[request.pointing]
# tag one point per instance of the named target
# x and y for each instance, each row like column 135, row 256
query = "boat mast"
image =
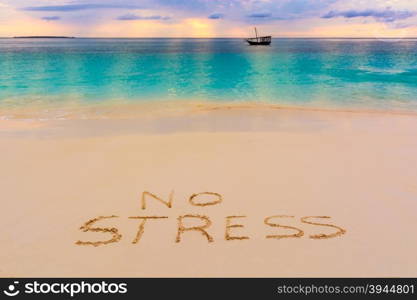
column 256, row 34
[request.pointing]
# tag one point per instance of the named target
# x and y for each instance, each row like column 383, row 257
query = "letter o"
column 96, row 288
column 113, row 288
column 193, row 196
column 45, row 288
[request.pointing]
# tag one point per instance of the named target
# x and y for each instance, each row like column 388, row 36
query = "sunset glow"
column 209, row 18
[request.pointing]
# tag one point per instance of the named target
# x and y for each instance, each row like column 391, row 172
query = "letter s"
column 267, row 221
column 340, row 231
column 88, row 227
column 28, row 288
column 123, row 288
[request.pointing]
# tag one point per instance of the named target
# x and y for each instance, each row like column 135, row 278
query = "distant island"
column 43, row 37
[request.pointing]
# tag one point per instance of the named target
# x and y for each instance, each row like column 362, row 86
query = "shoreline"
column 175, row 117
column 122, row 109
column 310, row 109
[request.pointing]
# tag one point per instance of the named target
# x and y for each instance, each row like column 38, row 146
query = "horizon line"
column 179, row 37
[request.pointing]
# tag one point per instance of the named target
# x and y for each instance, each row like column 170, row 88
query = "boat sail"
column 261, row 40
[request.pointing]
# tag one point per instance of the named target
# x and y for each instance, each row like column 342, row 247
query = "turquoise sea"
column 336, row 73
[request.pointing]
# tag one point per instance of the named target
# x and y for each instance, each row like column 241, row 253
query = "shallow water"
column 328, row 73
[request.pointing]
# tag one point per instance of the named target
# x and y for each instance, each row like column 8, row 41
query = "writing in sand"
column 232, row 223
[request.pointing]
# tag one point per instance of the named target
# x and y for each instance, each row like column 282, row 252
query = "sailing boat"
column 261, row 40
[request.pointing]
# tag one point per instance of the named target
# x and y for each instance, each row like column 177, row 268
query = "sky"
column 209, row 18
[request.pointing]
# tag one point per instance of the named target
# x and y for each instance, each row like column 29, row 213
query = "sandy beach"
column 358, row 168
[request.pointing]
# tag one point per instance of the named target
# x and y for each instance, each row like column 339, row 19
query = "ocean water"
column 336, row 73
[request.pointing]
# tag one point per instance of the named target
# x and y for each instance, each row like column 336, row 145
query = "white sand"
column 358, row 168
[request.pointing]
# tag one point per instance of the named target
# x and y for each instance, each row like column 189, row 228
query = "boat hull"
column 253, row 43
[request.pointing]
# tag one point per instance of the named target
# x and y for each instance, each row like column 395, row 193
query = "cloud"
column 216, row 16
column 259, row 15
column 77, row 7
column 246, row 11
column 132, row 17
column 267, row 10
column 51, row 18
column 388, row 15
